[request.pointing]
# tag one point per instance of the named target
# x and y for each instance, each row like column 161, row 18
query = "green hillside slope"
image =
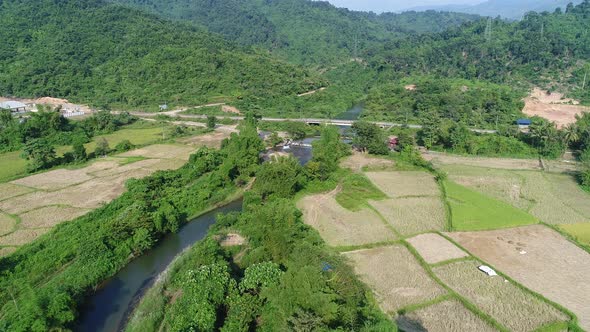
column 105, row 54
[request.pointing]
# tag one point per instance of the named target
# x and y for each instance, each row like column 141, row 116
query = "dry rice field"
column 440, row 159
column 44, row 200
column 445, row 316
column 341, row 227
column 362, row 161
column 404, row 184
column 395, row 276
column 212, row 140
column 552, row 198
column 505, row 302
column 435, row 248
column 541, row 260
column 413, row 215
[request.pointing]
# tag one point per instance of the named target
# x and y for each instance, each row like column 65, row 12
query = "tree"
column 211, row 121
column 102, row 147
column 79, row 152
column 40, row 153
column 124, row 145
column 281, row 177
column 370, row 138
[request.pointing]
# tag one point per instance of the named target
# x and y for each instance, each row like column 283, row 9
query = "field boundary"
column 352, row 248
column 568, row 236
column 416, row 307
column 572, row 316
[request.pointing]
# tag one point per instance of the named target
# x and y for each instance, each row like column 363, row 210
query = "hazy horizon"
column 379, row 6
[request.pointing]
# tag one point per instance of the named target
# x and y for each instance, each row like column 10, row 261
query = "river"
column 108, row 309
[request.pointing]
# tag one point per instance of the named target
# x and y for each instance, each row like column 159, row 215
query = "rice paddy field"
column 11, row 166
column 395, row 276
column 580, row 232
column 553, row 198
column 472, row 210
column 540, row 259
column 405, row 184
column 445, row 316
column 434, row 248
column 509, row 305
column 413, row 215
column 42, row 201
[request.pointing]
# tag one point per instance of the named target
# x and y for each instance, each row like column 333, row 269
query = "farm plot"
column 54, row 180
column 540, row 259
column 405, row 184
column 552, row 198
column 440, row 159
column 362, row 161
column 413, row 215
column 474, row 211
column 11, row 165
column 22, row 236
column 341, row 227
column 7, row 224
column 505, row 302
column 9, row 190
column 442, row 317
column 50, row 216
column 580, row 232
column 395, row 276
column 162, row 151
column 211, row 140
column 435, row 248
column 5, row 251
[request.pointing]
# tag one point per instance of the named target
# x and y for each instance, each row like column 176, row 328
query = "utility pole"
column 584, row 82
column 488, row 32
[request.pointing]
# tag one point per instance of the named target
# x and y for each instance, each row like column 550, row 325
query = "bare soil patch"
column 7, row 224
column 439, row 158
column 101, row 165
column 230, row 109
column 504, row 301
column 553, row 107
column 6, row 251
column 395, row 276
column 50, row 216
column 413, row 215
column 54, row 180
column 212, row 140
column 341, row 227
column 8, row 190
column 442, row 317
column 435, row 248
column 232, row 239
column 161, row 151
column 358, row 161
column 551, row 266
column 401, row 184
column 22, row 236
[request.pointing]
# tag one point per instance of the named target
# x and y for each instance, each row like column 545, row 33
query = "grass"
column 580, row 232
column 356, row 191
column 12, row 166
column 413, row 215
column 473, row 211
column 135, row 136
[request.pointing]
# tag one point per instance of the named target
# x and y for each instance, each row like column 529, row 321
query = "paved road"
column 306, row 120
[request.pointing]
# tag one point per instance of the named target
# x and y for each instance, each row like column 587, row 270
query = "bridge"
column 310, row 121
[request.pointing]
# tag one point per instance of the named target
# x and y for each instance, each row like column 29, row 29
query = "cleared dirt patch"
column 54, row 180
column 358, row 161
column 395, row 276
column 435, row 248
column 212, row 140
column 442, row 317
column 504, row 301
column 553, row 107
column 22, row 236
column 50, row 216
column 551, row 266
column 8, row 190
column 232, row 239
column 401, row 184
column 341, row 227
column 162, row 151
column 438, row 159
column 413, row 215
column 7, row 224
column 7, row 251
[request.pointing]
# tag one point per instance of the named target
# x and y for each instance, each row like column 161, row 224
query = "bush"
column 124, row 145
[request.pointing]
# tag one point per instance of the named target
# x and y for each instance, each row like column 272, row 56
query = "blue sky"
column 394, row 5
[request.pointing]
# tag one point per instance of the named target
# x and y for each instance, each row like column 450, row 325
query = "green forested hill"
column 105, row 54
column 302, row 31
column 546, row 49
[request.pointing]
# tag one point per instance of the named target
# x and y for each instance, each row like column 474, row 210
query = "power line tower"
column 488, row 32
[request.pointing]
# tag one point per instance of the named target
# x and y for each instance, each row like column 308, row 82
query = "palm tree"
column 571, row 134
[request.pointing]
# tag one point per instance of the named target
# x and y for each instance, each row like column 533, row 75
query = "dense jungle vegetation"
column 108, row 55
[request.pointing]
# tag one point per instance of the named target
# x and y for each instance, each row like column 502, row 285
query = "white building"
column 14, row 106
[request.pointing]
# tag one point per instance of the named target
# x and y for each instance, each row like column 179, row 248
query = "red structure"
column 393, row 142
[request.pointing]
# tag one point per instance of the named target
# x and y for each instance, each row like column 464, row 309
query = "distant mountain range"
column 505, row 8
